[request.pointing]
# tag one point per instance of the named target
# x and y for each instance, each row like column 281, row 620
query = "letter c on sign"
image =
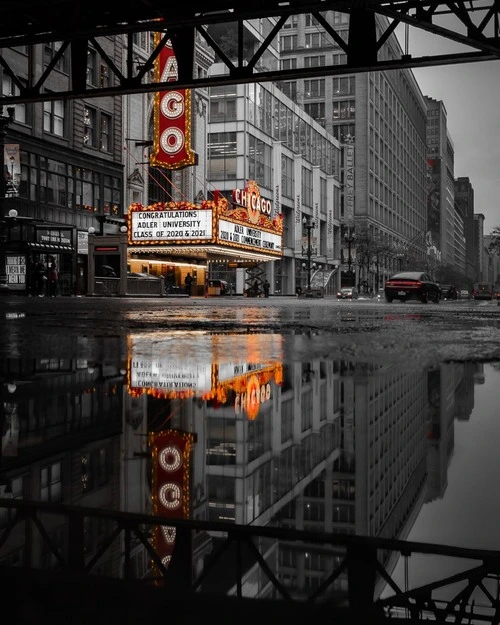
column 170, row 496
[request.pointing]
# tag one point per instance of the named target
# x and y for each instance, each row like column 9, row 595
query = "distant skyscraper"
column 385, row 114
column 464, row 204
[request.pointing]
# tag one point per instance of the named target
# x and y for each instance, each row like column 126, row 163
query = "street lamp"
column 308, row 224
column 349, row 238
column 5, row 121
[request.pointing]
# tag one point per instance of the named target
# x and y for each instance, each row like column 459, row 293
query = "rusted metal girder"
column 80, row 26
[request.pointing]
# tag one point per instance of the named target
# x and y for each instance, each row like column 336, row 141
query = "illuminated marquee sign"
column 178, row 370
column 254, row 238
column 172, row 116
column 245, row 225
column 170, row 375
column 171, row 225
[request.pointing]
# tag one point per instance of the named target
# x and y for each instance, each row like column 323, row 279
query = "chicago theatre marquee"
column 243, row 229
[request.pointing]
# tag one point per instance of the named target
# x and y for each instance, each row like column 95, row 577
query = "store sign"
column 172, row 115
column 53, row 236
column 349, row 183
column 82, row 242
column 15, row 267
column 251, row 238
column 190, row 225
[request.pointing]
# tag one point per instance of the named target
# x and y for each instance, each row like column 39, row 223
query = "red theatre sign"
column 170, row 485
column 172, row 116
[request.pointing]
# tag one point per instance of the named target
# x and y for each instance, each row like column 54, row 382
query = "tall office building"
column 481, row 273
column 381, row 118
column 444, row 224
column 464, row 204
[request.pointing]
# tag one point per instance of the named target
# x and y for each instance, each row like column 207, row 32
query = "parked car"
column 412, row 285
column 348, row 292
column 448, row 291
column 464, row 294
column 482, row 290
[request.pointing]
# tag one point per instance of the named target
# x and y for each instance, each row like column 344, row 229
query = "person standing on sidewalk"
column 53, row 276
column 188, row 281
column 266, row 286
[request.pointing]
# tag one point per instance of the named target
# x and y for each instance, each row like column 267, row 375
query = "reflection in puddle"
column 223, row 427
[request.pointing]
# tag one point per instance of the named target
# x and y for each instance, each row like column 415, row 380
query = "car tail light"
column 404, row 283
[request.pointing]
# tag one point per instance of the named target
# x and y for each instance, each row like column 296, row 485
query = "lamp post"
column 349, row 238
column 5, row 121
column 308, row 224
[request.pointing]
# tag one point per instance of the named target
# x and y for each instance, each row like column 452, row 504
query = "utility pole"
column 5, row 121
column 308, row 225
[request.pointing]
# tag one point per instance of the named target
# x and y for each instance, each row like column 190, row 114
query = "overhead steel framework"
column 79, row 25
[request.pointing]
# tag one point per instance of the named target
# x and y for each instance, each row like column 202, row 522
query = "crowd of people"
column 45, row 279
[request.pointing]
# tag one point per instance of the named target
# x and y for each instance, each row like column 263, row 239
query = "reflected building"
column 220, row 427
column 61, row 440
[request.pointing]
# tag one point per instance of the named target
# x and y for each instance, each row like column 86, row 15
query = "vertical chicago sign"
column 172, row 116
column 170, row 486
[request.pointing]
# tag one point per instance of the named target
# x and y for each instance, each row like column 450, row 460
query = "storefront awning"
column 207, row 252
column 51, row 247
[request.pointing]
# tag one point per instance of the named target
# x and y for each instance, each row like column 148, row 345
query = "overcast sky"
column 471, row 95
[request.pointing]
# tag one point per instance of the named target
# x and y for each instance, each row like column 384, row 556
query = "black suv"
column 448, row 291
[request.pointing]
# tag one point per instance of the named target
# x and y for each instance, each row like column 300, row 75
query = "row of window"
column 55, row 182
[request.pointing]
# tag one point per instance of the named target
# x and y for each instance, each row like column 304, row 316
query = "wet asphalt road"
column 364, row 330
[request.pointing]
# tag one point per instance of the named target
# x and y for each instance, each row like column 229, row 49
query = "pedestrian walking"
column 53, row 277
column 188, row 281
column 266, row 286
column 40, row 279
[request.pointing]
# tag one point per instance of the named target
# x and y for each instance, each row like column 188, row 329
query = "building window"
column 50, row 483
column 92, row 68
column 89, row 132
column 222, row 155
column 112, row 197
column 9, row 88
column 50, row 51
column 314, row 40
column 289, row 42
column 314, row 61
column 291, row 22
column 344, row 85
column 290, row 90
column 53, row 117
column 288, row 63
column 104, row 76
column 259, row 160
column 94, row 469
column 105, row 133
column 317, row 111
column 314, row 88
column 345, row 109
